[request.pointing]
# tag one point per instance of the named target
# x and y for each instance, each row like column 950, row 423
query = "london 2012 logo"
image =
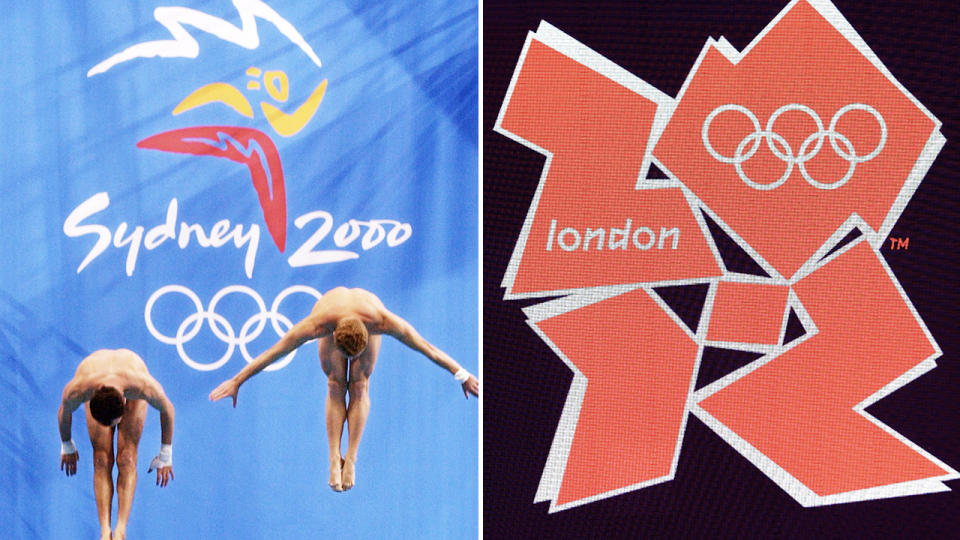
column 802, row 151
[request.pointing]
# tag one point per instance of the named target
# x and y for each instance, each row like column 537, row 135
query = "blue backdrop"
column 369, row 124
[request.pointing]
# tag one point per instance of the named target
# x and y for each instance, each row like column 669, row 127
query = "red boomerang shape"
column 234, row 143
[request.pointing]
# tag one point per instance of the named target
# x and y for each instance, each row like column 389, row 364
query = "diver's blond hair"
column 350, row 336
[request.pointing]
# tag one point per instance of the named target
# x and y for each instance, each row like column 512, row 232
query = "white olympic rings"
column 221, row 327
column 804, row 154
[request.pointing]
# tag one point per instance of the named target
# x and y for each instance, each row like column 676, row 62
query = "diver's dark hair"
column 106, row 405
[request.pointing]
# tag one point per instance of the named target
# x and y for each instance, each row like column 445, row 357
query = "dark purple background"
column 716, row 492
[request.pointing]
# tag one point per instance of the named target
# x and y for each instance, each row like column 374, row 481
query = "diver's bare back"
column 341, row 302
column 120, row 368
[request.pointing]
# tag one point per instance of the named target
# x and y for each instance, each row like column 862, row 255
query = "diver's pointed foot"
column 349, row 474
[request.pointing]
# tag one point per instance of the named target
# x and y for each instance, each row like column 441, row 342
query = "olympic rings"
column 221, row 327
column 785, row 153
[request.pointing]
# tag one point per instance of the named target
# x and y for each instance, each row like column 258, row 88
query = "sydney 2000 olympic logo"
column 804, row 172
column 241, row 144
column 270, row 89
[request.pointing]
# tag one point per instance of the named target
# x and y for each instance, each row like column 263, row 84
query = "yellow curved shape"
column 277, row 85
column 290, row 124
column 215, row 93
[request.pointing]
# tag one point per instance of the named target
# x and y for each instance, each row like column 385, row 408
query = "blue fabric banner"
column 183, row 181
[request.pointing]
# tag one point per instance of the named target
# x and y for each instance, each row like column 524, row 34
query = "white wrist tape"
column 67, row 447
column 163, row 459
column 461, row 375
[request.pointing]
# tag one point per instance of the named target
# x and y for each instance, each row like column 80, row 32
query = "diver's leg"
column 361, row 368
column 128, row 438
column 334, row 365
column 101, row 438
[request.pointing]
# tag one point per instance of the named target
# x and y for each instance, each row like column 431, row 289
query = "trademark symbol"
column 899, row 243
